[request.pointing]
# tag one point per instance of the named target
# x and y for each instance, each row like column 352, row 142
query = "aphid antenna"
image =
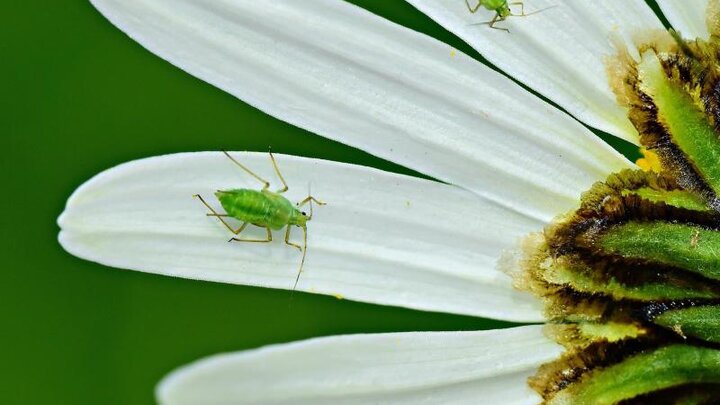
column 311, row 203
column 304, row 228
column 302, row 261
column 524, row 14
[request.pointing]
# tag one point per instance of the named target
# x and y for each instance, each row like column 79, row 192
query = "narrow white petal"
column 489, row 367
column 381, row 238
column 558, row 52
column 347, row 74
column 686, row 16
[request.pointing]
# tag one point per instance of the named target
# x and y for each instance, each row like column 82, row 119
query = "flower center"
column 631, row 279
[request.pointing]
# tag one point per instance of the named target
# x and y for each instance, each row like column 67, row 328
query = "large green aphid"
column 265, row 209
column 631, row 279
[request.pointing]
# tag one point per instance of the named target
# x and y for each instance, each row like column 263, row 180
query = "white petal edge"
column 687, row 16
column 489, row 367
column 382, row 238
column 559, row 52
column 346, row 74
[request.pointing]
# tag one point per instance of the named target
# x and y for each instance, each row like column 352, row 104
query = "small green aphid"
column 501, row 9
column 263, row 208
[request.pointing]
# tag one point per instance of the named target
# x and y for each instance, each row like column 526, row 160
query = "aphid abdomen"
column 281, row 210
column 246, row 205
column 261, row 208
column 494, row 5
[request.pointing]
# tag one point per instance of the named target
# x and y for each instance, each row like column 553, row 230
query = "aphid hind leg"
column 220, row 216
column 266, row 184
column 269, row 236
column 287, row 239
column 277, row 171
column 310, row 199
column 473, row 9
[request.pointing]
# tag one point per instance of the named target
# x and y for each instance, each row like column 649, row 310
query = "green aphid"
column 265, row 209
column 501, row 9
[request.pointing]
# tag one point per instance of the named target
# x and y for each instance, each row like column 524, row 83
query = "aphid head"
column 503, row 11
column 300, row 218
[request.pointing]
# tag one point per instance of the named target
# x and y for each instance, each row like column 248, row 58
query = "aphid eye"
column 303, row 213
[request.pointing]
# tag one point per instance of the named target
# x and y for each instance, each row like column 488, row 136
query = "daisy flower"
column 505, row 162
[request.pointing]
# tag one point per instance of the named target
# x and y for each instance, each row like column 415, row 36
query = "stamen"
column 650, row 162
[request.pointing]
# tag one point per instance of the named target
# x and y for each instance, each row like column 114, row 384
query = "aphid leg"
column 496, row 20
column 473, row 9
column 269, row 236
column 522, row 8
column 219, row 216
column 266, row 184
column 302, row 261
column 310, row 199
column 287, row 239
column 277, row 171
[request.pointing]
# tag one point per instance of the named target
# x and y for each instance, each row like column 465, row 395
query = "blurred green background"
column 78, row 97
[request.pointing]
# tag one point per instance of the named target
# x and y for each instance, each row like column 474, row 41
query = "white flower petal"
column 347, row 74
column 558, row 52
column 381, row 238
column 489, row 367
column 686, row 16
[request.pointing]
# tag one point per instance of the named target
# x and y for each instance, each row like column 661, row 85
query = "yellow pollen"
column 649, row 162
column 452, row 53
column 339, row 296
